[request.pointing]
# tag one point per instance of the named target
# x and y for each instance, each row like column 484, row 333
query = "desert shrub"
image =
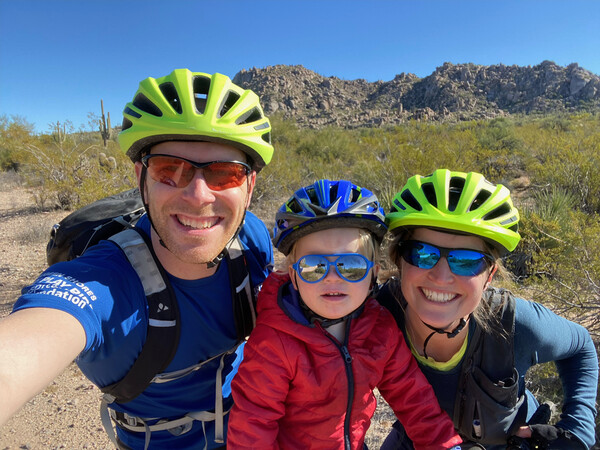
column 14, row 132
column 36, row 232
column 68, row 175
column 10, row 180
column 565, row 265
column 567, row 157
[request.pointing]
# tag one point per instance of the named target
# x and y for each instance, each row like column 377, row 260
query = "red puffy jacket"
column 298, row 387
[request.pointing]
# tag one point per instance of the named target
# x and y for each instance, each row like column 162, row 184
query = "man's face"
column 195, row 222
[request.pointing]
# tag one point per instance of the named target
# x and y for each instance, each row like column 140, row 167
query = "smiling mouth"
column 198, row 223
column 438, row 297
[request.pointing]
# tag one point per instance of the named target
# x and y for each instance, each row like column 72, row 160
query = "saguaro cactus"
column 104, row 125
column 59, row 133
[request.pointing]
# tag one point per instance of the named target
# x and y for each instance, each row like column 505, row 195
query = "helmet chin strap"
column 461, row 324
column 215, row 262
column 210, row 264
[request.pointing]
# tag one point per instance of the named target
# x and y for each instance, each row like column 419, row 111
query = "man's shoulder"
column 254, row 226
column 255, row 237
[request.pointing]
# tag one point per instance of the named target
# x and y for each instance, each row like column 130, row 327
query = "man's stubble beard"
column 197, row 250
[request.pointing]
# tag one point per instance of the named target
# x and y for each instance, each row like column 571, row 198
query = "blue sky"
column 58, row 58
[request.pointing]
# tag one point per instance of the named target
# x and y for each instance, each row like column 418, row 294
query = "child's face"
column 332, row 297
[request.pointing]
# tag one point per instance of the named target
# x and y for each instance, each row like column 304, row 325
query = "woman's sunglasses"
column 463, row 262
column 179, row 172
column 352, row 267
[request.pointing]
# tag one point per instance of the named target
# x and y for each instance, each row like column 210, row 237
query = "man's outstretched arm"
column 36, row 345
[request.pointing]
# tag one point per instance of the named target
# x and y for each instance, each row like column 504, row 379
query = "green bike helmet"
column 456, row 201
column 194, row 106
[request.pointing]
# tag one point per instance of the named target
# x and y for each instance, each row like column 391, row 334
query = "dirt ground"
column 66, row 414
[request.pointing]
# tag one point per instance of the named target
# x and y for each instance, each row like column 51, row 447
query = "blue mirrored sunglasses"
column 352, row 267
column 463, row 262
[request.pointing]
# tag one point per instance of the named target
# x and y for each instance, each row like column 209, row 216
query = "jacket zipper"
column 349, row 376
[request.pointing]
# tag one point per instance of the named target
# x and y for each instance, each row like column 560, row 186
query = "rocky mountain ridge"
column 452, row 92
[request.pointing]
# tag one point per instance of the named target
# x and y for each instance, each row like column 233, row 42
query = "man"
column 197, row 141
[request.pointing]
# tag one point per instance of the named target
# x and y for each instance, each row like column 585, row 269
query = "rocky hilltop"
column 452, row 92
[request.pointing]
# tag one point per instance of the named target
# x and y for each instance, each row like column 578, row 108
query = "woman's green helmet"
column 194, row 106
column 459, row 202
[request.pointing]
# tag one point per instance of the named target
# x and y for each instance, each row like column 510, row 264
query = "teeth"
column 440, row 297
column 334, row 293
column 199, row 223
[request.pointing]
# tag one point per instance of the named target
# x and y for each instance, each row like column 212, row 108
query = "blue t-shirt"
column 103, row 292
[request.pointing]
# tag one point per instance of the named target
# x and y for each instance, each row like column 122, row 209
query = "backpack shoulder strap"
column 244, row 303
column 162, row 338
column 164, row 327
column 489, row 362
column 500, row 340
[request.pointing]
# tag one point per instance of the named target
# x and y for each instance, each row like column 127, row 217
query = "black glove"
column 542, row 437
column 514, row 443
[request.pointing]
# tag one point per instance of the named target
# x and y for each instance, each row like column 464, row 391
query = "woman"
column 474, row 342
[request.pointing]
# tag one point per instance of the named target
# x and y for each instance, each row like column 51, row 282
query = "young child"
column 321, row 343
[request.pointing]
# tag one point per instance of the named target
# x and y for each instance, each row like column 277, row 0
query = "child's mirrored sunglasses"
column 352, row 267
column 463, row 262
column 179, row 172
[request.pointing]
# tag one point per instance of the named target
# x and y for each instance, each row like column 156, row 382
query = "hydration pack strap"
column 163, row 336
column 175, row 426
column 163, row 328
column 244, row 309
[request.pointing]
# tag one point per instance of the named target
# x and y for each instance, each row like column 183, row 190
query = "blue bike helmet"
column 327, row 204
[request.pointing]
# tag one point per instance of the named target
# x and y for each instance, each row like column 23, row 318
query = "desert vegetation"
column 549, row 162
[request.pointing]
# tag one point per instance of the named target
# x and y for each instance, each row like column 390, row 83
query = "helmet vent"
column 397, row 206
column 249, row 117
column 501, row 210
column 142, row 102
column 126, row 124
column 261, row 126
column 267, row 137
column 333, row 192
column 411, row 200
column 131, row 112
column 294, row 206
column 312, row 196
column 230, row 99
column 355, row 195
column 201, row 86
column 509, row 220
column 170, row 93
column 482, row 196
column 429, row 191
column 455, row 191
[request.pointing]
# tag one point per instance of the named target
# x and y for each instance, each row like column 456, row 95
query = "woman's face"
column 437, row 296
